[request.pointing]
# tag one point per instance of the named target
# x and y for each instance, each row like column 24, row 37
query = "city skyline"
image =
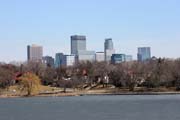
column 131, row 24
column 135, row 56
column 79, row 53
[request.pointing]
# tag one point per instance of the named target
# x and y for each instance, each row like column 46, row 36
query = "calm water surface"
column 92, row 108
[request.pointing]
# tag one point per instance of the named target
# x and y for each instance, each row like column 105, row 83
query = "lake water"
column 164, row 107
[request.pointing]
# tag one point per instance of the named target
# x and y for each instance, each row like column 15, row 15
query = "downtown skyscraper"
column 78, row 48
column 34, row 53
column 108, row 49
column 78, row 43
column 144, row 53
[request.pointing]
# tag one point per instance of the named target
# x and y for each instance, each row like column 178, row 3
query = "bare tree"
column 7, row 73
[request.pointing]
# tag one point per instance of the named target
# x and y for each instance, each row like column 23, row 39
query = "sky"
column 50, row 23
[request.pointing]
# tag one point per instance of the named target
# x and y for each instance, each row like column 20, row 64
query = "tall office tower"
column 59, row 59
column 108, row 44
column 34, row 53
column 78, row 43
column 99, row 56
column 78, row 48
column 49, row 61
column 144, row 53
column 108, row 49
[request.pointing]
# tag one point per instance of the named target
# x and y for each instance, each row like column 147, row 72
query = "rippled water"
column 165, row 107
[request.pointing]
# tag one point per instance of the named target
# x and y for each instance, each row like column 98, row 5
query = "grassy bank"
column 47, row 91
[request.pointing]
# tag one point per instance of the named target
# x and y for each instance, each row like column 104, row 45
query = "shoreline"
column 71, row 94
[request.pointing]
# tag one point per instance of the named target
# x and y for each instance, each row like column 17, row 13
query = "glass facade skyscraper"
column 78, row 48
column 78, row 43
column 108, row 44
column 59, row 59
column 108, row 49
column 144, row 53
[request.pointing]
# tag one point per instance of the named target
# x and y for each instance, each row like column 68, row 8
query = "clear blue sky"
column 131, row 23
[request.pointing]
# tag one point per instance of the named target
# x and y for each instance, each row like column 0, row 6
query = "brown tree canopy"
column 29, row 83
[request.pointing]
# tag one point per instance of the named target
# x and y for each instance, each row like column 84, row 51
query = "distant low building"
column 69, row 60
column 49, row 61
column 118, row 58
column 129, row 58
column 64, row 60
column 99, row 57
column 86, row 56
